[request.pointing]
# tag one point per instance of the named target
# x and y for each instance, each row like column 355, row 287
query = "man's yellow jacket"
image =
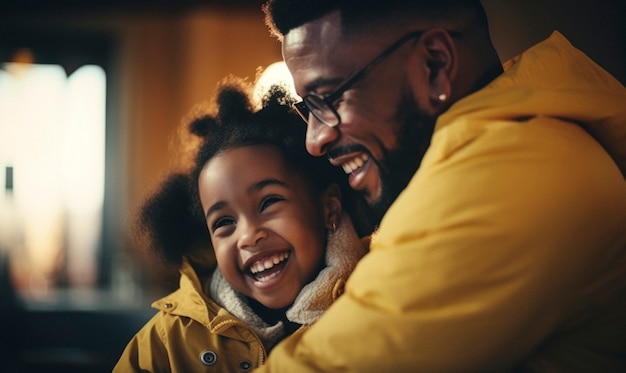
column 507, row 250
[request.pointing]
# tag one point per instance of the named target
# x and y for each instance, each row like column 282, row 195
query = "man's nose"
column 319, row 137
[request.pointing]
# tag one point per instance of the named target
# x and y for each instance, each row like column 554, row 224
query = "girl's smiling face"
column 267, row 225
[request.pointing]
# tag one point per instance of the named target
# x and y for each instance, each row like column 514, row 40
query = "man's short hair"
column 284, row 15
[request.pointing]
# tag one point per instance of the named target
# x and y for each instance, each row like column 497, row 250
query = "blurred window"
column 52, row 154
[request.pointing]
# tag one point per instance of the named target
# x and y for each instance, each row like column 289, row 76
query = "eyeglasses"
column 323, row 106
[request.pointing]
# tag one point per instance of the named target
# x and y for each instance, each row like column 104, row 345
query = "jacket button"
column 168, row 305
column 208, row 357
column 245, row 366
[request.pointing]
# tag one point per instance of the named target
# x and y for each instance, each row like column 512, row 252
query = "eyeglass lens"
column 320, row 109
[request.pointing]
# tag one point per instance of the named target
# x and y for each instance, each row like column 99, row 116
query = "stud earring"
column 334, row 227
column 442, row 97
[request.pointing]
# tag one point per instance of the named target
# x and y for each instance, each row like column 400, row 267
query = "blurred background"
column 92, row 94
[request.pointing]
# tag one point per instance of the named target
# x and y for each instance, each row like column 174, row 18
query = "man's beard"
column 400, row 164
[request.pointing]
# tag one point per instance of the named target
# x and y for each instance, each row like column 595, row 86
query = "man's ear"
column 433, row 67
column 331, row 201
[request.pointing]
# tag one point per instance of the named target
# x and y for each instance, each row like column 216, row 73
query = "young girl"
column 280, row 237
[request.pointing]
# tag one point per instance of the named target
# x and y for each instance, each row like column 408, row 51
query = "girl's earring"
column 334, row 227
column 442, row 97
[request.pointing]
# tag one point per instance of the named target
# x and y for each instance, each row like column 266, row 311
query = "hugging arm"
column 481, row 260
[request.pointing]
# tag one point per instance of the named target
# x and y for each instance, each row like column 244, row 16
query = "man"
column 502, row 244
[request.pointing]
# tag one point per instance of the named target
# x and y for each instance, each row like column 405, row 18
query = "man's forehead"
column 309, row 49
column 322, row 32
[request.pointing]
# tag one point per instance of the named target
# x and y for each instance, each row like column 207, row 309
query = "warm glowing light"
column 276, row 73
column 52, row 136
column 83, row 176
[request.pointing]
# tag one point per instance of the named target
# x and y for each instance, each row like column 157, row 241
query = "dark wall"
column 597, row 27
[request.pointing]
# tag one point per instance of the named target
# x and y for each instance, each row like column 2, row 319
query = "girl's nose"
column 251, row 235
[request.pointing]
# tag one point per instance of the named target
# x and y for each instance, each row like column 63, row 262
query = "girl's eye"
column 222, row 222
column 270, row 200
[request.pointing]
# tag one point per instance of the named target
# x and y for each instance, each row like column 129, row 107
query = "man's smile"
column 361, row 170
column 355, row 163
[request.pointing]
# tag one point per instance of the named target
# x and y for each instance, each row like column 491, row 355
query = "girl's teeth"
column 258, row 267
column 268, row 277
column 268, row 263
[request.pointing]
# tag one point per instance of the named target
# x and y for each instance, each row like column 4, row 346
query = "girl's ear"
column 434, row 65
column 331, row 200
